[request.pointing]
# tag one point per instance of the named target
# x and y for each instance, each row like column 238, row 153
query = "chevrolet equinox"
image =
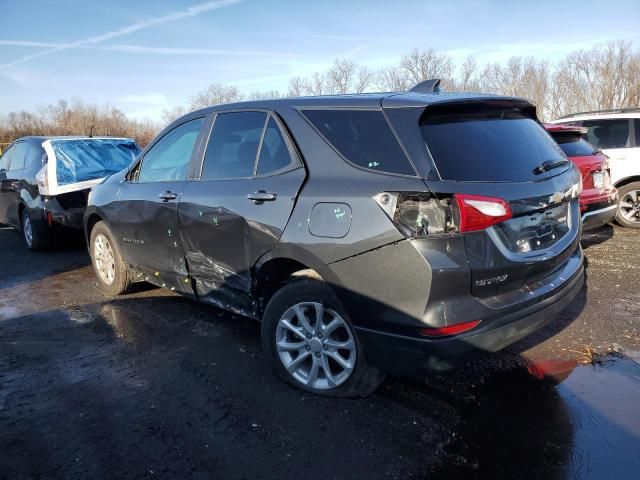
column 370, row 234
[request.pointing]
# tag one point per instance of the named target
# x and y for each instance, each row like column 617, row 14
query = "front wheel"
column 312, row 345
column 110, row 269
column 629, row 205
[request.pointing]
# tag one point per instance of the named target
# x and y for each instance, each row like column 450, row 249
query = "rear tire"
column 111, row 271
column 36, row 235
column 628, row 214
column 326, row 358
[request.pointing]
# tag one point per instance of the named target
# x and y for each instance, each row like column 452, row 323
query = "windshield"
column 489, row 145
column 84, row 159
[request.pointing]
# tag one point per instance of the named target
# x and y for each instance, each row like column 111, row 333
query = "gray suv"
column 370, row 234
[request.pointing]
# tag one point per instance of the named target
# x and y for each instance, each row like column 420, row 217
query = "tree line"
column 604, row 77
column 75, row 118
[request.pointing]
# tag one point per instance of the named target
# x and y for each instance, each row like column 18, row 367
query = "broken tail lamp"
column 419, row 214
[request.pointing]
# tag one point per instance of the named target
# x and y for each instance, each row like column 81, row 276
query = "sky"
column 144, row 56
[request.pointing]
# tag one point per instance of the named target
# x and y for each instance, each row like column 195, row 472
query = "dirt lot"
column 153, row 385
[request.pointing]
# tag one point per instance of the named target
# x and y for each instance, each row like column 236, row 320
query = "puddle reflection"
column 554, row 420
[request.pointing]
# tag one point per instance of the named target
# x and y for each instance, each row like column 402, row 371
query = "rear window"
column 363, row 137
column 488, row 145
column 573, row 145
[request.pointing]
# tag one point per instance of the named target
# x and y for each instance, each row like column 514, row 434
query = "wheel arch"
column 91, row 218
column 277, row 267
column 627, row 181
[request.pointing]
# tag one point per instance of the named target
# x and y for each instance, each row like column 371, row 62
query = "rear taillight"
column 42, row 179
column 416, row 214
column 477, row 212
column 454, row 329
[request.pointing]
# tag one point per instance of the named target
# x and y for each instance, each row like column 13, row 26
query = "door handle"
column 166, row 196
column 261, row 196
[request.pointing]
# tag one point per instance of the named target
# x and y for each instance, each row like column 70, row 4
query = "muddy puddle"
column 553, row 420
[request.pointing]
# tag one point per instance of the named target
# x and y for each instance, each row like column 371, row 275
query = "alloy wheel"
column 629, row 206
column 316, row 345
column 27, row 230
column 104, row 259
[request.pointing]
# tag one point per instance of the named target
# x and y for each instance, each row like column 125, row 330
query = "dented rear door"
column 237, row 210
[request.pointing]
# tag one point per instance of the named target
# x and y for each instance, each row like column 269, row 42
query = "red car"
column 599, row 197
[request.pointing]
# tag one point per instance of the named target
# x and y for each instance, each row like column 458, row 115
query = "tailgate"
column 497, row 153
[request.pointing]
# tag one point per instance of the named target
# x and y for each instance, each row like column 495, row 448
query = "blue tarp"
column 84, row 159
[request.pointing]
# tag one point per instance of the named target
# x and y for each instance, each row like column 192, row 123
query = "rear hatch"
column 512, row 191
column 76, row 164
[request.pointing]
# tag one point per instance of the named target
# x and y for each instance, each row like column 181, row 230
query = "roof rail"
column 428, row 86
column 604, row 112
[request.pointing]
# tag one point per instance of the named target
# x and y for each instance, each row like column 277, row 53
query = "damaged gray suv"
column 370, row 234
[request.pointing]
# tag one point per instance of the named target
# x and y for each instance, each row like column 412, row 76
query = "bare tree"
column 468, row 79
column 297, row 87
column 316, row 85
column 264, row 95
column 75, row 118
column 605, row 77
column 392, row 79
column 365, row 79
column 171, row 114
column 215, row 94
column 519, row 77
column 421, row 65
column 341, row 77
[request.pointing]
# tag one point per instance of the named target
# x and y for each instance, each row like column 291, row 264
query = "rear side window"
column 17, row 160
column 488, row 145
column 637, row 124
column 274, row 153
column 573, row 145
column 363, row 137
column 34, row 157
column 233, row 146
column 608, row 133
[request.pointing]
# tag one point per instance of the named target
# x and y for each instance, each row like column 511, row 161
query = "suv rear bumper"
column 598, row 215
column 401, row 355
column 392, row 292
column 69, row 218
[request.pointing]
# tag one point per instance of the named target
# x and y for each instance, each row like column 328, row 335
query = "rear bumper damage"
column 388, row 315
column 409, row 356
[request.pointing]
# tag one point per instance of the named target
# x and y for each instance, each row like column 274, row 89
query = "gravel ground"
column 150, row 384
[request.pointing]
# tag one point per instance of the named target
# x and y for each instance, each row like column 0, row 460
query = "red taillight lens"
column 478, row 212
column 449, row 329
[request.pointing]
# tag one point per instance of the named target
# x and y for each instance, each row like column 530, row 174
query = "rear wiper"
column 549, row 165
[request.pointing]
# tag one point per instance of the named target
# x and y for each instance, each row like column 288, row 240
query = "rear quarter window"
column 363, row 137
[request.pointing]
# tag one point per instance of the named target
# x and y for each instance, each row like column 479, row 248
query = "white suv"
column 617, row 134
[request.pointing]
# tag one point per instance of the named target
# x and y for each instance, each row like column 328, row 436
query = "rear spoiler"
column 559, row 128
column 475, row 105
